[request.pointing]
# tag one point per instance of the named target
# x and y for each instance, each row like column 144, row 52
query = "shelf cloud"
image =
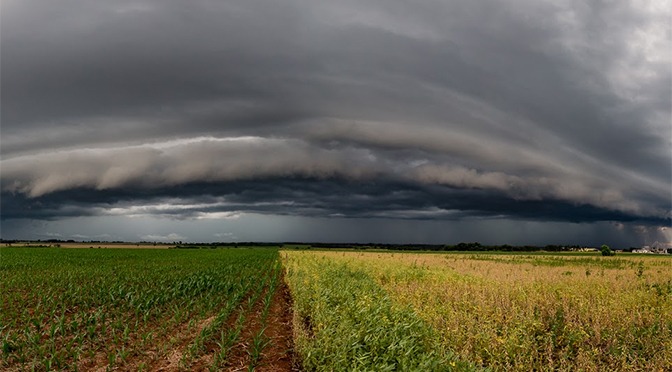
column 463, row 112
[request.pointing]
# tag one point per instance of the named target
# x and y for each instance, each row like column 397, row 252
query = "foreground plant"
column 344, row 321
column 124, row 308
column 536, row 312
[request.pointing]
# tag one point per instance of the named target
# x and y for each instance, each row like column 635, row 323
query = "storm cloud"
column 505, row 111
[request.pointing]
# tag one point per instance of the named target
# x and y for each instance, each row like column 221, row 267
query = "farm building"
column 655, row 248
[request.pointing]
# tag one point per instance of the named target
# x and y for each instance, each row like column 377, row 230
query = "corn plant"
column 71, row 308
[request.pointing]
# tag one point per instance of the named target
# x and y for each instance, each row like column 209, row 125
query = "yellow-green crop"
column 345, row 321
column 534, row 312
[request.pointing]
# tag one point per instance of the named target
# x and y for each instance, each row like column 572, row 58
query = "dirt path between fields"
column 278, row 354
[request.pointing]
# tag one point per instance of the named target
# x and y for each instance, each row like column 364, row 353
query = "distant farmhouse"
column 584, row 249
column 655, row 248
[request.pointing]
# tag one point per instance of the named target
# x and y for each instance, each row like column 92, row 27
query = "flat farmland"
column 380, row 311
column 134, row 309
column 319, row 310
column 95, row 245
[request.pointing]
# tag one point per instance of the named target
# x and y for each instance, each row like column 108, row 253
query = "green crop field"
column 80, row 309
column 230, row 309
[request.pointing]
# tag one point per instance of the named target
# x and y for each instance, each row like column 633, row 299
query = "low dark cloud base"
column 308, row 197
column 384, row 109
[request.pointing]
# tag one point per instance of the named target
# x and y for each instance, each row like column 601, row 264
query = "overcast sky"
column 499, row 121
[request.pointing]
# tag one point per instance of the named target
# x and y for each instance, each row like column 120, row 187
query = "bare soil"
column 166, row 354
column 278, row 355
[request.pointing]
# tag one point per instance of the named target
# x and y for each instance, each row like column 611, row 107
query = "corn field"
column 82, row 309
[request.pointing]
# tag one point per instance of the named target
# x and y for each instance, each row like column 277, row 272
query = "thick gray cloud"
column 383, row 110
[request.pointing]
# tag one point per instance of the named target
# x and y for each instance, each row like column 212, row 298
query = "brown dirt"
column 172, row 359
column 154, row 358
column 278, row 355
column 165, row 353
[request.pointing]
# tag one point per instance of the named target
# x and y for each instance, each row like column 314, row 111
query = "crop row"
column 76, row 309
column 68, row 309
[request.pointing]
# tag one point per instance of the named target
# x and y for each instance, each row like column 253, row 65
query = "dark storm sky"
column 503, row 121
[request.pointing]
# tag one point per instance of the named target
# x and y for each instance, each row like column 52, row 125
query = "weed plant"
column 535, row 312
column 345, row 321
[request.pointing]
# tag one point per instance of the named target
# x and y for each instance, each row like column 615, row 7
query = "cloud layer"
column 553, row 111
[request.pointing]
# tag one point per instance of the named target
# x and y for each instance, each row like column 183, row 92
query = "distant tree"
column 606, row 251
